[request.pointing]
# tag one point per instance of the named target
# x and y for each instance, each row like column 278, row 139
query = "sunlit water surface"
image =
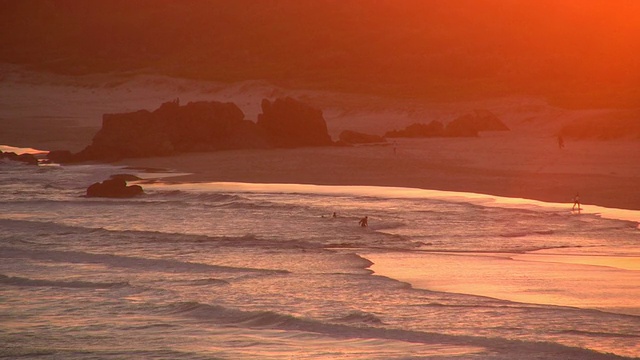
column 246, row 271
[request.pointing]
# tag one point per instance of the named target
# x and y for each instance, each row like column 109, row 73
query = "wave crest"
column 356, row 317
column 21, row 281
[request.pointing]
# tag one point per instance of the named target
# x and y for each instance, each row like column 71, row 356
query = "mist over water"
column 245, row 271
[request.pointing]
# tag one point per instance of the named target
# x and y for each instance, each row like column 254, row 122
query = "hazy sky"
column 586, row 48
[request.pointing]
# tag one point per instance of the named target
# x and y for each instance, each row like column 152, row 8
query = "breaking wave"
column 363, row 325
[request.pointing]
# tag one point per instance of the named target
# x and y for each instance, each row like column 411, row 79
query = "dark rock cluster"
column 468, row 125
column 115, row 187
column 202, row 126
column 289, row 123
column 210, row 126
column 24, row 158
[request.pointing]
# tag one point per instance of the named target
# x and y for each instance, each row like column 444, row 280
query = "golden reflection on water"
column 563, row 280
column 617, row 262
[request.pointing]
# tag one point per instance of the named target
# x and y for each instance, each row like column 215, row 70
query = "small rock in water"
column 114, row 188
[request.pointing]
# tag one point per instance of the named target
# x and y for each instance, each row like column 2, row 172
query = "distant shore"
column 525, row 162
column 602, row 173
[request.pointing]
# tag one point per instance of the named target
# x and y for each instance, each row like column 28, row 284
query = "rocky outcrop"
column 29, row 159
column 417, row 130
column 472, row 124
column 60, row 156
column 290, row 123
column 353, row 137
column 461, row 127
column 199, row 127
column 114, row 188
column 464, row 126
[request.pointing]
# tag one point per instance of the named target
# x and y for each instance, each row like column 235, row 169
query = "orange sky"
column 414, row 46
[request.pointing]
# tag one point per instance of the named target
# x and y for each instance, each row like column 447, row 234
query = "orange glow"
column 536, row 278
column 583, row 48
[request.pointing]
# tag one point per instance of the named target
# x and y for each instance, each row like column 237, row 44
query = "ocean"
column 265, row 271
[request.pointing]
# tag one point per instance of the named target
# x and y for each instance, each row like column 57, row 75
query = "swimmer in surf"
column 364, row 222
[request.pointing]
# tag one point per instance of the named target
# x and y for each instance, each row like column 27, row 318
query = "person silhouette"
column 576, row 202
column 364, row 222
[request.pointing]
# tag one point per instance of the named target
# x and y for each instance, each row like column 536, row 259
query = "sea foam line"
column 406, row 193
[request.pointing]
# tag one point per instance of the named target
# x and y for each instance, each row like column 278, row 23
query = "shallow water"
column 246, row 271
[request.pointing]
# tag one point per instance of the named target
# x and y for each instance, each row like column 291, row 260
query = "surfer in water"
column 364, row 222
column 576, row 202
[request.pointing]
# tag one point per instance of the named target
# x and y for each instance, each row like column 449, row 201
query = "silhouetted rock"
column 461, row 127
column 290, row 123
column 197, row 126
column 354, row 137
column 114, row 188
column 24, row 158
column 432, row 129
column 202, row 126
column 60, row 156
column 471, row 124
column 28, row 158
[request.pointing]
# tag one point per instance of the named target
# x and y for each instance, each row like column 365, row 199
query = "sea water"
column 264, row 271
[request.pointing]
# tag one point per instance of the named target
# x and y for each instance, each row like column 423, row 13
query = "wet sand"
column 536, row 278
column 604, row 173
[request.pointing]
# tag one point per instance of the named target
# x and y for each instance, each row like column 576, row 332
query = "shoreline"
column 524, row 162
column 554, row 177
column 398, row 192
column 481, row 274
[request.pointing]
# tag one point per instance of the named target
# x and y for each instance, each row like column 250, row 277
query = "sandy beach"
column 605, row 174
column 52, row 112
column 221, row 180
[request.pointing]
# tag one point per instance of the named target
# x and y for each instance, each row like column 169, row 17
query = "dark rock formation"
column 433, row 129
column 471, row 124
column 466, row 125
column 197, row 126
column 290, row 123
column 114, row 188
column 354, row 137
column 60, row 156
column 201, row 126
column 461, row 127
column 25, row 158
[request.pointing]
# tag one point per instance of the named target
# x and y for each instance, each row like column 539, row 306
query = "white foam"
column 411, row 193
